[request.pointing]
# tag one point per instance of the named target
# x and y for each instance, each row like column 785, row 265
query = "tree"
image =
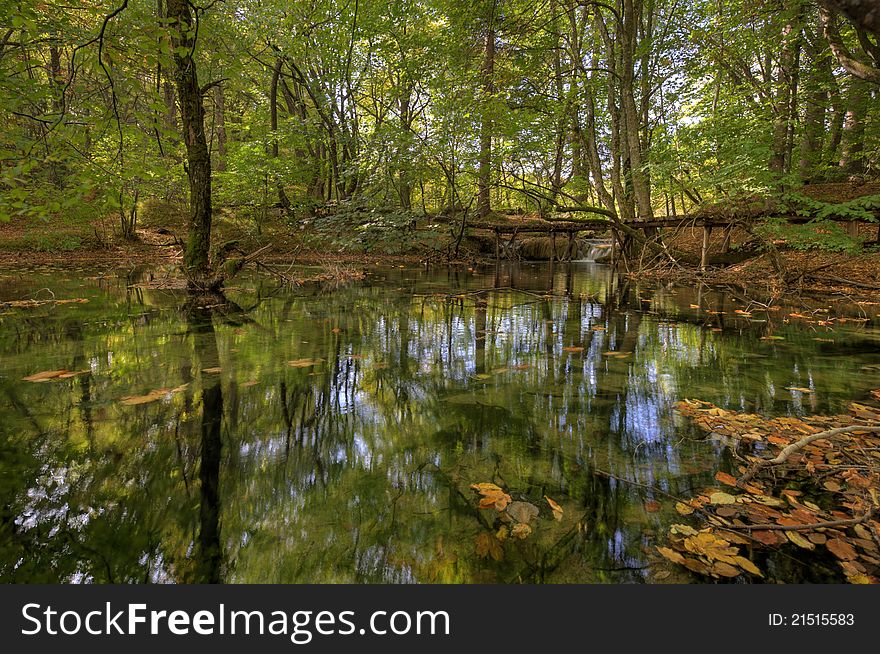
column 184, row 35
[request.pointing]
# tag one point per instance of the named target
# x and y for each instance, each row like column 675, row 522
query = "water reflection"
column 332, row 436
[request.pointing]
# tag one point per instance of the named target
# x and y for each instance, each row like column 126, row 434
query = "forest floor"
column 83, row 243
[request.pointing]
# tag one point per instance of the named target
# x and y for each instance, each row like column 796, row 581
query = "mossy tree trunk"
column 197, row 260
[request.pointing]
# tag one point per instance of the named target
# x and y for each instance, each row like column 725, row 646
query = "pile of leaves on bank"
column 823, row 498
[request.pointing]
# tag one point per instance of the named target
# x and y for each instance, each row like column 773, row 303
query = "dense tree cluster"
column 641, row 107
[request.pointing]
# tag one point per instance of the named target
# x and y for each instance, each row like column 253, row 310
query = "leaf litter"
column 822, row 497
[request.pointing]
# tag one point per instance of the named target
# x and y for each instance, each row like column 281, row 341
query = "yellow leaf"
column 521, row 530
column 722, row 498
column 724, row 569
column 748, row 566
column 487, row 545
column 304, row 363
column 671, row 555
column 799, row 540
column 557, row 510
column 684, row 509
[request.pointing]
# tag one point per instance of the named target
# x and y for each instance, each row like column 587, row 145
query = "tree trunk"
column 784, row 83
column 485, row 158
column 192, row 112
column 220, row 123
column 283, row 201
column 851, row 161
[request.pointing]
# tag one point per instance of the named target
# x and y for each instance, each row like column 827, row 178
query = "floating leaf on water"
column 652, row 506
column 557, row 510
column 493, row 497
column 46, row 375
column 521, row 530
column 523, row 512
column 684, row 530
column 725, row 478
column 766, row 500
column 725, row 569
column 711, row 546
column 213, row 371
column 671, row 555
column 684, row 509
column 248, row 384
column 152, row 396
column 748, row 566
column 766, row 537
column 799, row 540
column 696, row 566
column 722, row 498
column 487, row 545
column 841, row 549
column 304, row 363
column 573, row 348
column 799, row 389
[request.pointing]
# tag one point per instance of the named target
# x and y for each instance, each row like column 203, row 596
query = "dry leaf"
column 725, row 478
column 841, row 549
column 748, row 566
column 671, row 555
column 722, row 498
column 521, row 530
column 684, row 509
column 46, row 375
column 724, row 569
column 557, row 510
column 487, row 545
column 799, row 540
column 523, row 512
column 304, row 363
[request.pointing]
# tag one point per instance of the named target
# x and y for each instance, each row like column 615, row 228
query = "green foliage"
column 818, row 234
column 862, row 209
column 45, row 241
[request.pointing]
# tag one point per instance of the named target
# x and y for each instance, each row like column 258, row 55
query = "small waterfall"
column 595, row 251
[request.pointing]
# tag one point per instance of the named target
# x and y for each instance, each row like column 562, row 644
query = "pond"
column 332, row 435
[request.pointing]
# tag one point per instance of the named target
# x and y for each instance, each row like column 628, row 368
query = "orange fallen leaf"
column 557, row 510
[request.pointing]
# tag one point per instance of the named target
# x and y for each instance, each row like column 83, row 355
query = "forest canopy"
column 641, row 108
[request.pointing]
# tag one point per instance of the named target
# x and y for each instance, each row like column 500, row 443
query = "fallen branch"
column 801, row 444
column 846, row 282
column 849, row 522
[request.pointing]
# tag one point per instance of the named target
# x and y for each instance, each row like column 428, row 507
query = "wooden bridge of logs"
column 623, row 231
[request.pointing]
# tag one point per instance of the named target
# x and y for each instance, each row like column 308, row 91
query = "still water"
column 332, row 435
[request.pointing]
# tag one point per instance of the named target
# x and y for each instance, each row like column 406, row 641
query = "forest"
column 506, row 291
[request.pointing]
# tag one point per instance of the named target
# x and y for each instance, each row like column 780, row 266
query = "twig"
column 802, row 443
column 848, row 522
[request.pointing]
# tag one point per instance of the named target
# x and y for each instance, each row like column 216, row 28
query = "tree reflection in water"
column 321, row 437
